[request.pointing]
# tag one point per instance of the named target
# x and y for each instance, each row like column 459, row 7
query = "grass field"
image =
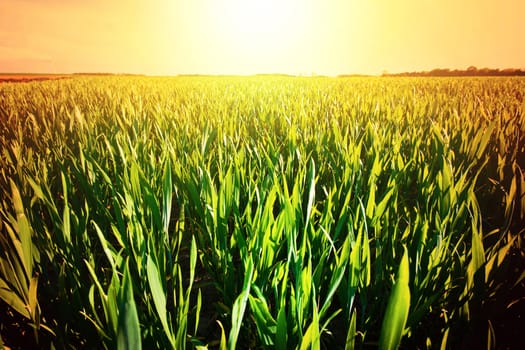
column 24, row 78
column 262, row 212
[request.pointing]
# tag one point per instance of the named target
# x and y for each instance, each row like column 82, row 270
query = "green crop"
column 260, row 212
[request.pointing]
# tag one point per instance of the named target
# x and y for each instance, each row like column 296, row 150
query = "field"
column 24, row 78
column 262, row 212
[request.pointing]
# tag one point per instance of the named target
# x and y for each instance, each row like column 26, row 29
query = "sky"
column 303, row 37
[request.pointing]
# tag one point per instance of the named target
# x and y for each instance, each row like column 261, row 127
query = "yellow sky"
column 259, row 36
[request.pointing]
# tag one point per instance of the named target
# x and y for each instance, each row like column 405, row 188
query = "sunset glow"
column 254, row 36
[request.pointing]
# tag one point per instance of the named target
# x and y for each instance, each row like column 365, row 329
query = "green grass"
column 261, row 212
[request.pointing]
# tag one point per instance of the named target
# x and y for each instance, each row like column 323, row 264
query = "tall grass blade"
column 158, row 294
column 239, row 306
column 397, row 308
column 128, row 333
column 351, row 335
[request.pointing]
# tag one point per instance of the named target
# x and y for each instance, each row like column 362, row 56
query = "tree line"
column 470, row 71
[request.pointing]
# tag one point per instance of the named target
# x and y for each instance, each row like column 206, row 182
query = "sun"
column 260, row 17
column 262, row 27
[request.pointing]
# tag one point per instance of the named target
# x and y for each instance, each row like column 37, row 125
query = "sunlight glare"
column 262, row 25
column 259, row 16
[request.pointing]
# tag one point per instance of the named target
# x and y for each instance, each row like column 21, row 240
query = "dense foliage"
column 261, row 212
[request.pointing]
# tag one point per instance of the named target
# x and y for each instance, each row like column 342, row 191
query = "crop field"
column 262, row 212
column 23, row 78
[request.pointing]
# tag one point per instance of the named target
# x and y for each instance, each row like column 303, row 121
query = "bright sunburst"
column 268, row 17
column 263, row 24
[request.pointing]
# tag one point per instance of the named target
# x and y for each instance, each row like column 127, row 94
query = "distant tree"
column 470, row 71
column 439, row 72
column 484, row 70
